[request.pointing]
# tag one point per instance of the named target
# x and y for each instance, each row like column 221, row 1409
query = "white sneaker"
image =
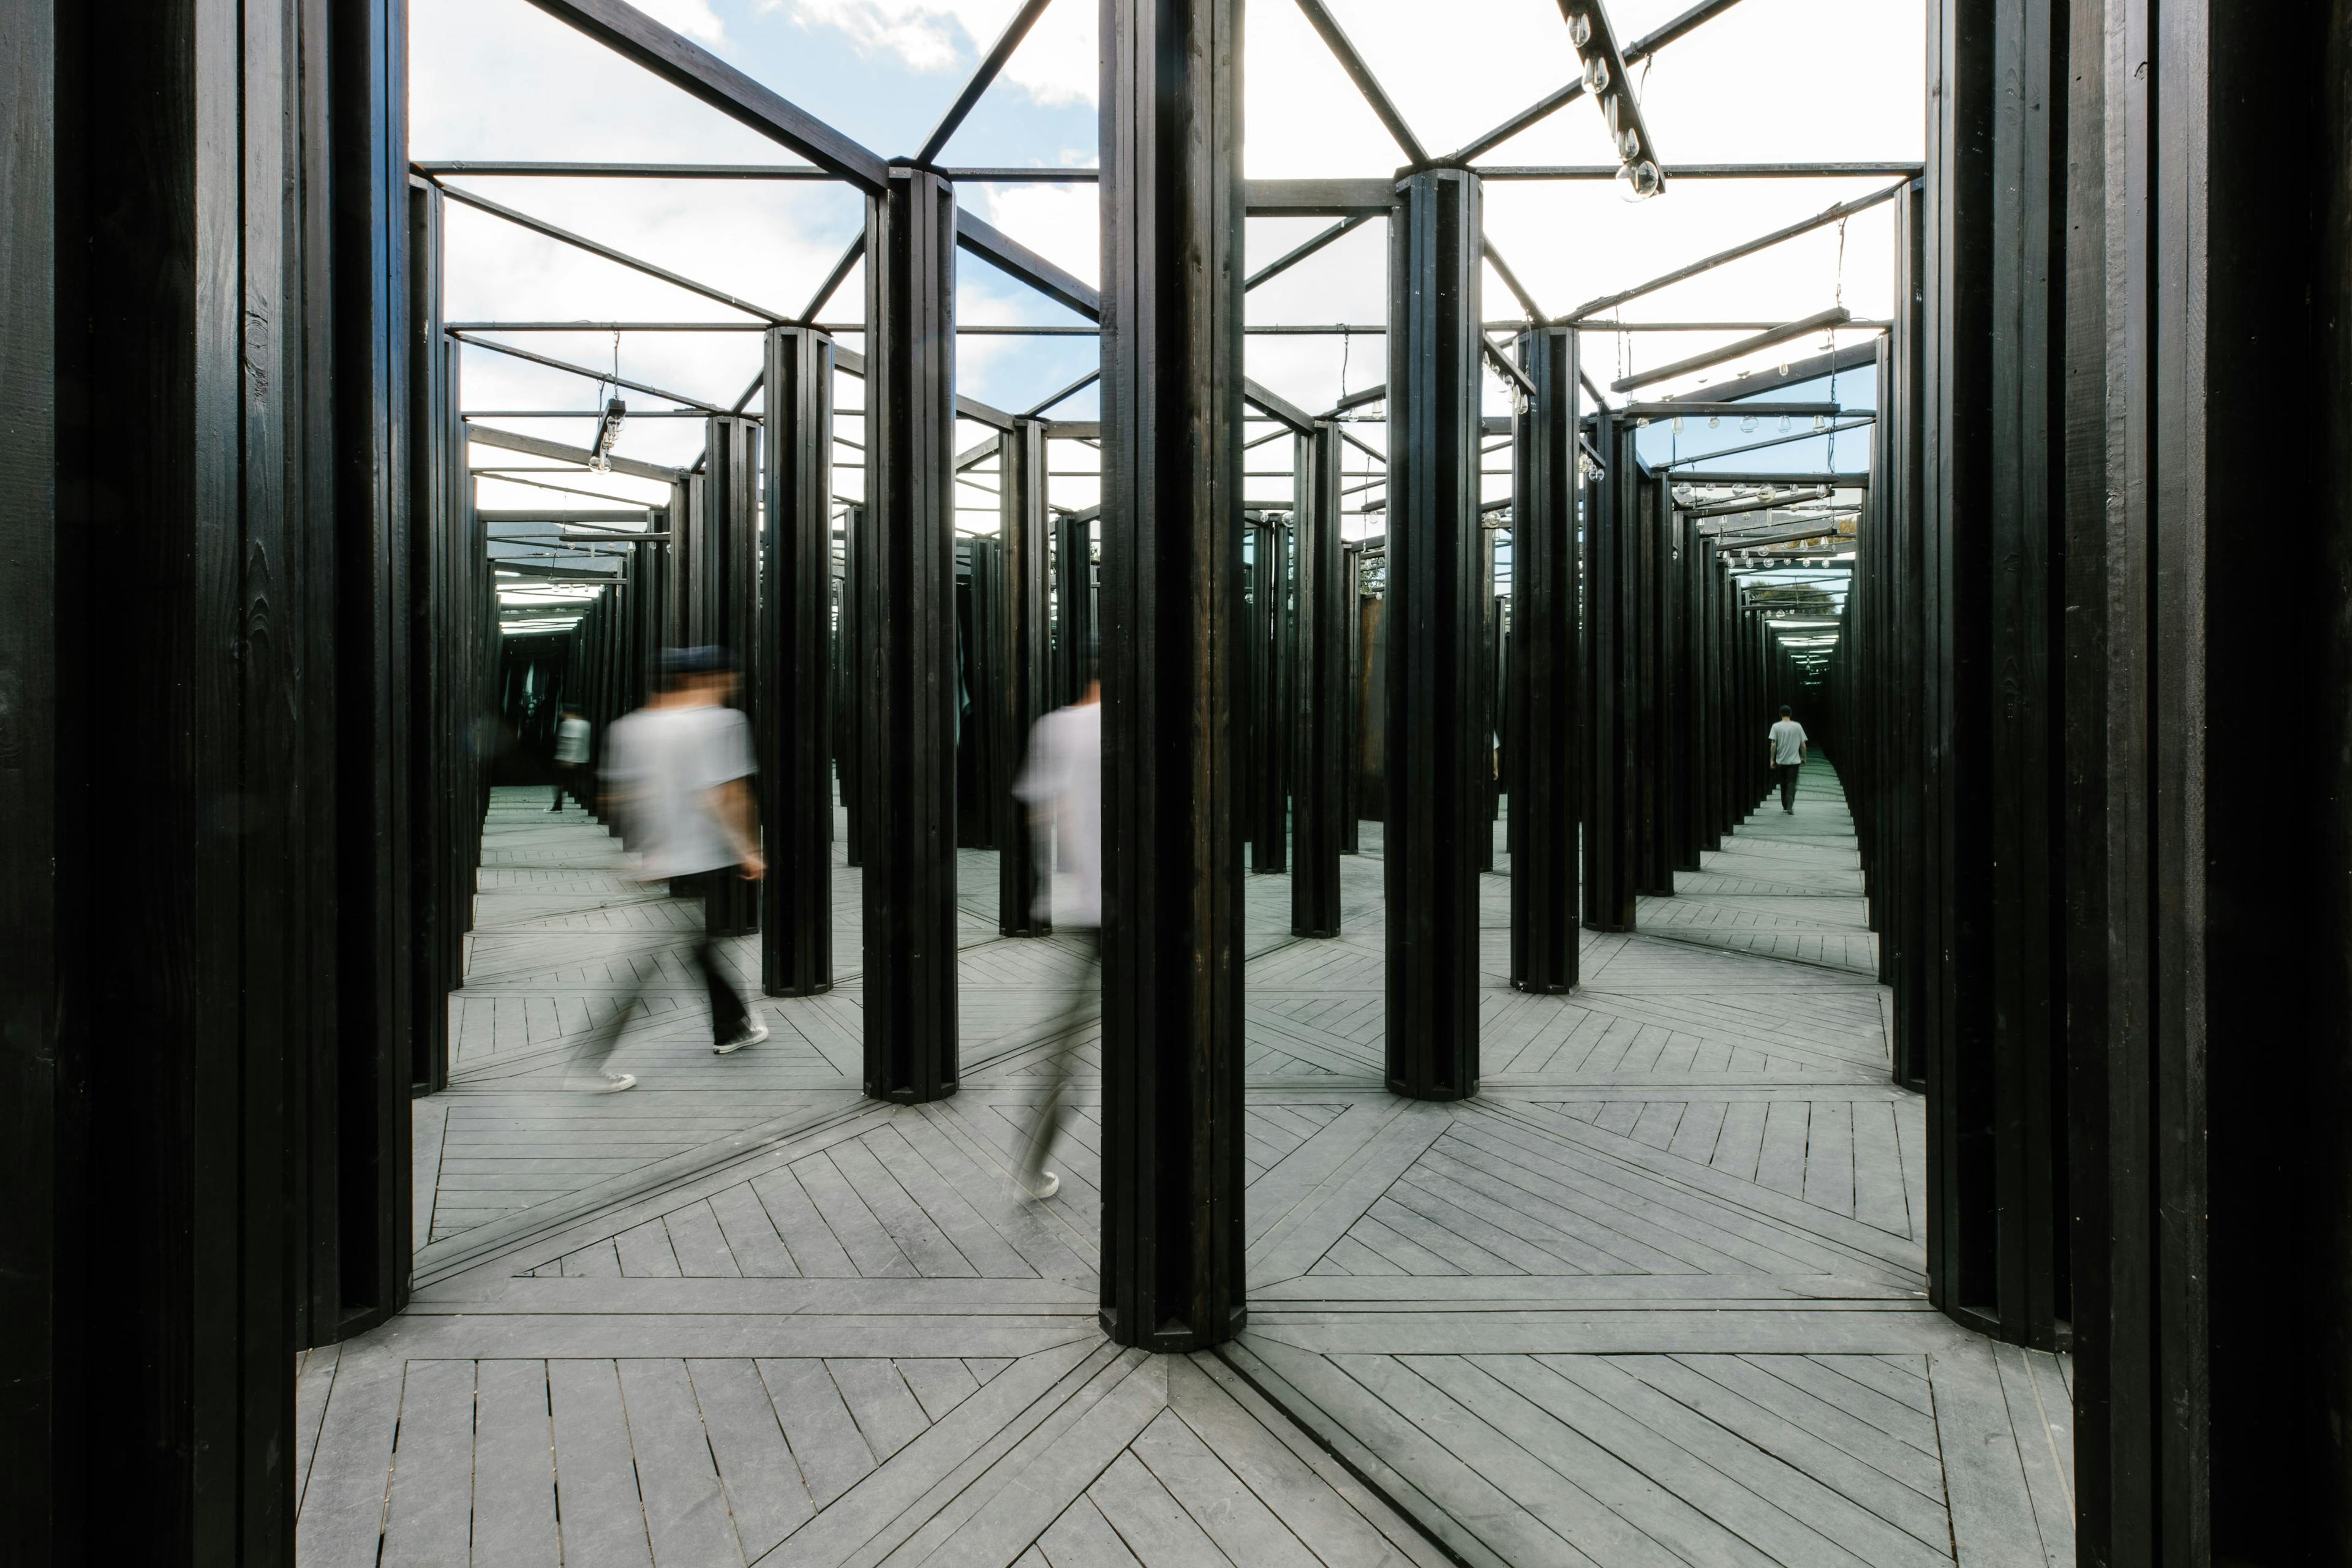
column 603, row 1083
column 754, row 1032
column 1041, row 1185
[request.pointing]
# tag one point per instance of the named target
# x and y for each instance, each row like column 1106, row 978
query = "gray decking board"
column 1655, row 1295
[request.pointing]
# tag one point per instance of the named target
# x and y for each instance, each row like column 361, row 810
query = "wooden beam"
column 684, row 64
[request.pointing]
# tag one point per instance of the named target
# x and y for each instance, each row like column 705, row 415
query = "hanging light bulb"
column 1715, row 421
column 1579, row 30
column 1784, row 421
column 1596, row 76
column 1684, row 495
column 1629, row 143
column 1748, row 425
column 1638, row 181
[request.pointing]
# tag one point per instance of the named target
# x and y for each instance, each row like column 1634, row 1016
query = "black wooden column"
column 908, row 620
column 1610, row 617
column 1024, row 676
column 1074, row 606
column 206, row 1002
column 980, row 645
column 849, row 650
column 1351, row 746
column 1490, row 699
column 1324, row 593
column 1437, row 742
column 727, row 599
column 1267, row 749
column 794, row 716
column 1172, row 614
column 1545, row 694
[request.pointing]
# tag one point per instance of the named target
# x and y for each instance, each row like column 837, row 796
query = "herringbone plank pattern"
column 1655, row 1297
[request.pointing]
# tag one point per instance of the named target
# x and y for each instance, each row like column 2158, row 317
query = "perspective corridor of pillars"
column 1172, row 614
column 1437, row 741
column 906, row 586
column 795, row 666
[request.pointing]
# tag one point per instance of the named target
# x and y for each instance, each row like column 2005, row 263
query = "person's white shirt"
column 1788, row 739
column 571, row 739
column 1062, row 781
column 662, row 764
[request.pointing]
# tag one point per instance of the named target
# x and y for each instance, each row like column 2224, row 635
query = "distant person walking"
column 1788, row 738
column 678, row 771
column 571, row 752
column 1061, row 785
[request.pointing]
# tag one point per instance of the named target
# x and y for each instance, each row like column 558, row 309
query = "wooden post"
column 1436, row 783
column 907, row 615
column 795, row 666
column 1172, row 1274
column 1023, row 686
column 1326, row 597
column 1546, row 696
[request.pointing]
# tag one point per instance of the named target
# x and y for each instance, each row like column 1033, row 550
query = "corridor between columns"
column 1658, row 1288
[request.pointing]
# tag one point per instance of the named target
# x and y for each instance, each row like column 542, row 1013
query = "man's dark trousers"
column 1787, row 772
column 728, row 1013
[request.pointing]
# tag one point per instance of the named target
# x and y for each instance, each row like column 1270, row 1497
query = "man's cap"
column 707, row 661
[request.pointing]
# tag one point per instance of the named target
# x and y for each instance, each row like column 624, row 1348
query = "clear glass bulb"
column 1596, row 76
column 1639, row 181
column 1579, row 30
column 1629, row 143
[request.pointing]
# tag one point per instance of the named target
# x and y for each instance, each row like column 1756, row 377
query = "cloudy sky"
column 1772, row 80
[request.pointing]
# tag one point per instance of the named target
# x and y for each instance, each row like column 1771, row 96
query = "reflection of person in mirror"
column 1061, row 785
column 570, row 751
column 678, row 773
column 1788, row 738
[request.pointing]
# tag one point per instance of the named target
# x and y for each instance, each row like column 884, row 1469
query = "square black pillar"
column 1073, row 606
column 1545, row 696
column 1323, row 592
column 1266, row 751
column 1025, row 661
column 1437, row 734
column 1171, row 355
column 794, row 720
column 1612, row 612
column 1351, row 719
column 726, row 594
column 907, row 625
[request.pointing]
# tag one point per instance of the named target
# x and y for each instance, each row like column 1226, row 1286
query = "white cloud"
column 1054, row 65
column 695, row 18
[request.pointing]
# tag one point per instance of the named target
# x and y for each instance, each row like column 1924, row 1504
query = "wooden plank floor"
column 1653, row 1298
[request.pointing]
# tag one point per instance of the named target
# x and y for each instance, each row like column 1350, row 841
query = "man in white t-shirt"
column 1061, row 785
column 570, row 751
column 1788, row 738
column 678, row 773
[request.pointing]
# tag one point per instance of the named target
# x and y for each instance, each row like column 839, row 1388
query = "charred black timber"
column 908, row 623
column 1025, row 682
column 1547, row 696
column 1073, row 606
column 1172, row 1272
column 1437, row 744
column 1612, row 618
column 1266, row 752
column 1323, row 591
column 795, row 666
column 726, row 600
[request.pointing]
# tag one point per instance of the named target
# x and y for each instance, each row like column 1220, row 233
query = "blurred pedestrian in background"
column 570, row 751
column 1061, row 783
column 678, row 772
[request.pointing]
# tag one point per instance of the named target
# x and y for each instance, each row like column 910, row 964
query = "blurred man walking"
column 1062, row 786
column 678, row 773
